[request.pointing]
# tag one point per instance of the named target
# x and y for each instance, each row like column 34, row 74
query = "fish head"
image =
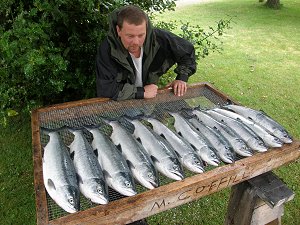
column 242, row 148
column 275, row 142
column 147, row 175
column 171, row 168
column 257, row 144
column 283, row 135
column 209, row 156
column 96, row 190
column 193, row 163
column 68, row 198
column 228, row 155
column 123, row 183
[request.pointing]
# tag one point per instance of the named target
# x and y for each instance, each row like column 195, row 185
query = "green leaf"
column 11, row 112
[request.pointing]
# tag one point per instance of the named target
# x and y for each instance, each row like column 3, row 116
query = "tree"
column 275, row 4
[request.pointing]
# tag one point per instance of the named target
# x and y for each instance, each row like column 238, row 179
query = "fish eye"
column 127, row 184
column 71, row 200
column 99, row 190
column 197, row 162
column 150, row 175
column 175, row 167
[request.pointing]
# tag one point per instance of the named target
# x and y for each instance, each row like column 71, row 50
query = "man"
column 134, row 55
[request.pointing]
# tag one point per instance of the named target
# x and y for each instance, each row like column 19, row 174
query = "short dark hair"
column 131, row 14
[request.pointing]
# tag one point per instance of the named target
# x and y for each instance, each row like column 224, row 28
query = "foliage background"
column 48, row 49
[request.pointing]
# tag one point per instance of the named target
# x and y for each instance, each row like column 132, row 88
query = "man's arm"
column 183, row 53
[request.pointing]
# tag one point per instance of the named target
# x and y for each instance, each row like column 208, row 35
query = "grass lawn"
column 259, row 67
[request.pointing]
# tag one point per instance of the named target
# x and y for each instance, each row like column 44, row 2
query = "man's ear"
column 118, row 29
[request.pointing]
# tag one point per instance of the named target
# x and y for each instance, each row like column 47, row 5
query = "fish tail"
column 108, row 120
column 134, row 117
column 47, row 130
column 74, row 129
column 92, row 126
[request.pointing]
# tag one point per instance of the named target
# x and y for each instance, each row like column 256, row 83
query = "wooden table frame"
column 165, row 197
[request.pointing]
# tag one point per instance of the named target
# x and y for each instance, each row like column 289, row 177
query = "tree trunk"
column 274, row 4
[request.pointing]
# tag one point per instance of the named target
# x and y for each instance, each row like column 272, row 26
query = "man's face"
column 132, row 36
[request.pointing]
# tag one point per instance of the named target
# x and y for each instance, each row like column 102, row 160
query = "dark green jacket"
column 115, row 70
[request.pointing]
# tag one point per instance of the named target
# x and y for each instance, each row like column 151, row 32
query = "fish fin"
column 130, row 165
column 154, row 159
column 73, row 129
column 79, row 178
column 186, row 109
column 131, row 117
column 163, row 136
column 238, row 119
column 113, row 119
column 119, row 147
column 179, row 156
column 72, row 154
column 50, row 130
column 96, row 152
column 139, row 140
column 106, row 174
column 51, row 184
column 193, row 146
column 92, row 126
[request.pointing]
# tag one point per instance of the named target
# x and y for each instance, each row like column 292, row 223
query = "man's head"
column 131, row 28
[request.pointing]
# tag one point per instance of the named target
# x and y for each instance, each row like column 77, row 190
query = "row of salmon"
column 201, row 137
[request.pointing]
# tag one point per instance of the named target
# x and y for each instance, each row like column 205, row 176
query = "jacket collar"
column 120, row 53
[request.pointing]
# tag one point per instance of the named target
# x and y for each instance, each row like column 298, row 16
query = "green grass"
column 259, row 67
column 17, row 200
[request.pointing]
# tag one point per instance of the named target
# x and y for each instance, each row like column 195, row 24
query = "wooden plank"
column 177, row 193
column 265, row 214
column 271, row 189
column 241, row 205
column 40, row 191
column 275, row 222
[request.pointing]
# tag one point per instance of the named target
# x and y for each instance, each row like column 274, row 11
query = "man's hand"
column 179, row 87
column 150, row 91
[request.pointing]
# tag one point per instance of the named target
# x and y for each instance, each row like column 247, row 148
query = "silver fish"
column 187, row 131
column 184, row 150
column 59, row 173
column 268, row 138
column 248, row 135
column 116, row 171
column 136, row 156
column 90, row 177
column 238, row 144
column 223, row 148
column 263, row 120
column 162, row 154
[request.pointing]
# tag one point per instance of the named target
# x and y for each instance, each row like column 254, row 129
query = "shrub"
column 48, row 49
column 204, row 41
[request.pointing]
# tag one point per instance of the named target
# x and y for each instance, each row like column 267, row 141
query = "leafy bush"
column 204, row 41
column 48, row 49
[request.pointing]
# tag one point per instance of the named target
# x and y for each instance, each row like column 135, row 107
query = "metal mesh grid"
column 91, row 114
